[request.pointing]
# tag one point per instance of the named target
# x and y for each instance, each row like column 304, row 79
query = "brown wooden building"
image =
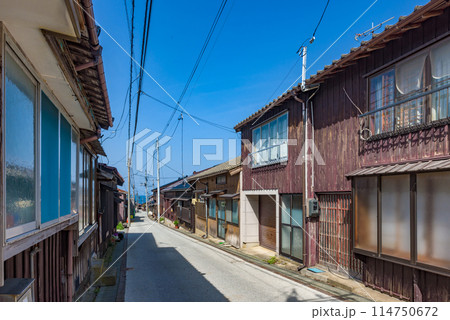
column 375, row 125
column 215, row 202
column 54, row 104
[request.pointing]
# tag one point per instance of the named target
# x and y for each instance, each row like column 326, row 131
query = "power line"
column 197, row 62
column 193, row 116
column 144, row 46
column 320, row 20
column 131, row 72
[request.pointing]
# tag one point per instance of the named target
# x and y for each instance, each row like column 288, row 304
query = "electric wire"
column 197, row 62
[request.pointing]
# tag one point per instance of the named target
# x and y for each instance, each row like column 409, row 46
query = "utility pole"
column 182, row 128
column 129, row 194
column 146, row 192
column 157, row 178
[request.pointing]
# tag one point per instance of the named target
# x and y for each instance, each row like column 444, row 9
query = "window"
column 430, row 192
column 221, row 179
column 433, row 219
column 395, row 216
column 49, row 160
column 269, row 142
column 212, row 208
column 86, row 192
column 291, row 226
column 366, row 213
column 235, row 212
column 222, row 204
column 32, row 172
column 73, row 173
column 20, row 147
column 381, row 95
column 398, row 97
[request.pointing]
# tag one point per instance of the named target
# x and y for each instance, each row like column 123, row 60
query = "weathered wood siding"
column 284, row 177
column 400, row 281
column 232, row 235
column 336, row 119
column 50, row 265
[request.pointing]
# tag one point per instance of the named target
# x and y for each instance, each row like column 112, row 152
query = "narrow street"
column 165, row 265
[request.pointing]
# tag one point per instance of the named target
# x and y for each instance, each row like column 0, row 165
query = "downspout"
column 93, row 39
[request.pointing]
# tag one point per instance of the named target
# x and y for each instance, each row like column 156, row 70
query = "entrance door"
column 221, row 219
column 291, row 226
column 267, row 222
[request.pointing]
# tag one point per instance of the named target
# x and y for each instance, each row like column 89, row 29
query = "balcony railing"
column 419, row 108
column 271, row 155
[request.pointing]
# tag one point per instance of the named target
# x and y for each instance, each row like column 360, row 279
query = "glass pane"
column 66, row 166
column 286, row 209
column 228, row 211
column 366, row 213
column 297, row 243
column 273, row 140
column 235, row 218
column 282, row 136
column 20, row 101
column 49, row 160
column 286, row 239
column 381, row 95
column 256, row 141
column 80, row 190
column 73, row 173
column 440, row 71
column 433, row 219
column 222, row 207
column 297, row 211
column 265, row 143
column 395, row 216
column 212, row 208
column 92, row 200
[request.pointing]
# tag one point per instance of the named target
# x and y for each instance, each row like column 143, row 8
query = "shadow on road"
column 159, row 273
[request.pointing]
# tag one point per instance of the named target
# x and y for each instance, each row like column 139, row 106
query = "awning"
column 206, row 195
column 198, row 191
column 180, row 199
column 421, row 166
column 229, row 195
column 217, row 192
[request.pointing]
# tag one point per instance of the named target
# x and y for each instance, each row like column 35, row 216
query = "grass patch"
column 272, row 260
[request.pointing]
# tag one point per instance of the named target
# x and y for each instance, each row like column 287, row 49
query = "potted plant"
column 176, row 223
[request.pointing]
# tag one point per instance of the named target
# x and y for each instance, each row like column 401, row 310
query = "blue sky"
column 250, row 54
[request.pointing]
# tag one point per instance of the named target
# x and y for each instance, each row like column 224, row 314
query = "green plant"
column 161, row 219
column 120, row 226
column 272, row 260
column 176, row 222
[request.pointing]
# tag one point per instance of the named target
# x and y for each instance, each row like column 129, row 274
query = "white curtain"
column 409, row 74
column 440, row 61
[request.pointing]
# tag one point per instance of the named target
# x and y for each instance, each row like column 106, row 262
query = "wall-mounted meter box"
column 313, row 208
column 17, row 290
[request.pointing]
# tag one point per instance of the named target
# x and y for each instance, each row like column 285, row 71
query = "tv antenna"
column 371, row 31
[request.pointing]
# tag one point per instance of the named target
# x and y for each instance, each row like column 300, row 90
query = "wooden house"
column 175, row 198
column 375, row 126
column 110, row 203
column 54, row 104
column 215, row 203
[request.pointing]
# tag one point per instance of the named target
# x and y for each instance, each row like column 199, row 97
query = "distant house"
column 110, row 208
column 352, row 171
column 215, row 202
column 174, row 201
column 54, row 105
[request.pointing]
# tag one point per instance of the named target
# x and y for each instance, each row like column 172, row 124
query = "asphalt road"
column 165, row 265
